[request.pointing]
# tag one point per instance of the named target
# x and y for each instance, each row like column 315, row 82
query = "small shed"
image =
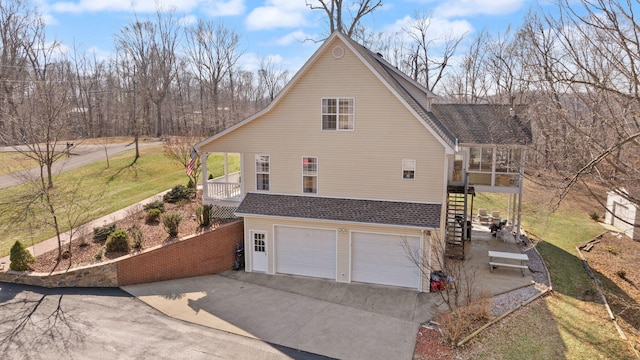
column 622, row 213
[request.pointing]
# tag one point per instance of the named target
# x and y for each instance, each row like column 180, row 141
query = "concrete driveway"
column 345, row 321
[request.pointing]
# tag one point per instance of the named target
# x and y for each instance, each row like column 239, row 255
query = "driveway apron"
column 304, row 322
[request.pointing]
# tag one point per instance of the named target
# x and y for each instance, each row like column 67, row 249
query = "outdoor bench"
column 523, row 258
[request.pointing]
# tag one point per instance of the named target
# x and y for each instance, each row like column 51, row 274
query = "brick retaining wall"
column 209, row 253
column 205, row 254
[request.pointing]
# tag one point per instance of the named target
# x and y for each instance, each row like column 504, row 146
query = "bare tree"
column 152, row 47
column 37, row 104
column 17, row 26
column 422, row 64
column 341, row 17
column 588, row 59
column 212, row 50
column 458, row 275
column 180, row 149
column 271, row 78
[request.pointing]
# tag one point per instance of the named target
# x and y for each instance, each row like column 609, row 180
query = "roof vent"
column 338, row 52
column 380, row 55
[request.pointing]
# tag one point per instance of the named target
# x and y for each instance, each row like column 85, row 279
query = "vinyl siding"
column 343, row 246
column 363, row 163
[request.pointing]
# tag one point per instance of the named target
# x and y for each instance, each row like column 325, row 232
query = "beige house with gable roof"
column 348, row 168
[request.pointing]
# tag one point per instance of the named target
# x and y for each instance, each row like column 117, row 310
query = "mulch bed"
column 84, row 251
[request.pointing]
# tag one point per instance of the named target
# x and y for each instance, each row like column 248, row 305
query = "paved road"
column 83, row 323
column 81, row 155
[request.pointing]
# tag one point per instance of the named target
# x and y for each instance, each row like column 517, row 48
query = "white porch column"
column 203, row 165
column 226, row 167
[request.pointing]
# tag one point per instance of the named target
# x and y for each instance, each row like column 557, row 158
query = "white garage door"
column 306, row 252
column 382, row 259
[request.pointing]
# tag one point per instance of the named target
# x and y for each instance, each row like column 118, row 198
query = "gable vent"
column 338, row 52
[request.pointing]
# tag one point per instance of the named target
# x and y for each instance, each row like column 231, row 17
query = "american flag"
column 191, row 165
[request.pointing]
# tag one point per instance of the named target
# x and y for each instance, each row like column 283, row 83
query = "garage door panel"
column 383, row 259
column 306, row 252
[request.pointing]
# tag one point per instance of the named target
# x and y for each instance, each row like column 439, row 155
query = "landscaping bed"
column 614, row 259
column 85, row 251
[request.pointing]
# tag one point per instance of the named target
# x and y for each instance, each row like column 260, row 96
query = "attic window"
column 338, row 114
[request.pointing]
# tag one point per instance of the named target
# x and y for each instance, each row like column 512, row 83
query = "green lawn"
column 215, row 163
column 575, row 322
column 120, row 185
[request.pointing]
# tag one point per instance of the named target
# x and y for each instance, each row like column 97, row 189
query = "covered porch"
column 222, row 179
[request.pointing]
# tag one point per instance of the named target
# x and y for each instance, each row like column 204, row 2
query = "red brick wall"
column 209, row 253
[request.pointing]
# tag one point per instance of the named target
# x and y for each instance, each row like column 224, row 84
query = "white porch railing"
column 224, row 188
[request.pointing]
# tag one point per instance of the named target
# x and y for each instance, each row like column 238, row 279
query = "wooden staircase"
column 457, row 214
column 454, row 229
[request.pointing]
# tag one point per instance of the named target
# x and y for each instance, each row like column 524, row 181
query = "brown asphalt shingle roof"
column 348, row 210
column 484, row 123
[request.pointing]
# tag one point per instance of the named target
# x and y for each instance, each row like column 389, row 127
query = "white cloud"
column 456, row 8
column 123, row 5
column 277, row 14
column 439, row 28
column 223, row 8
column 188, row 20
column 294, row 37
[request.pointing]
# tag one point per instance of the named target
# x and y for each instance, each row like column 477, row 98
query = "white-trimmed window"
column 262, row 172
column 310, row 175
column 408, row 169
column 338, row 114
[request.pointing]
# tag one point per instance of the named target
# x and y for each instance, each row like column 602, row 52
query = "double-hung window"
column 408, row 169
column 310, row 175
column 262, row 172
column 338, row 114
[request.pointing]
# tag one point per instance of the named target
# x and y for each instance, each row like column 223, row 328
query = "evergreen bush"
column 178, row 193
column 171, row 222
column 20, row 257
column 118, row 241
column 102, row 233
column 136, row 237
column 153, row 215
column 203, row 214
column 157, row 204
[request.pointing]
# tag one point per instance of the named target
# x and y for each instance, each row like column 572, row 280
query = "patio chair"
column 483, row 216
column 495, row 215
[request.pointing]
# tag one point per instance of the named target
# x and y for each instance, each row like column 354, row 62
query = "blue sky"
column 269, row 28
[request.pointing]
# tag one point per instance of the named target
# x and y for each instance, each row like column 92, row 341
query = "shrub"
column 594, row 215
column 102, row 233
column 153, row 215
column 157, row 204
column 117, row 241
column 191, row 184
column 136, row 237
column 463, row 320
column 20, row 257
column 178, row 193
column 171, row 222
column 182, row 202
column 210, row 177
column 611, row 250
column 203, row 214
column 98, row 255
